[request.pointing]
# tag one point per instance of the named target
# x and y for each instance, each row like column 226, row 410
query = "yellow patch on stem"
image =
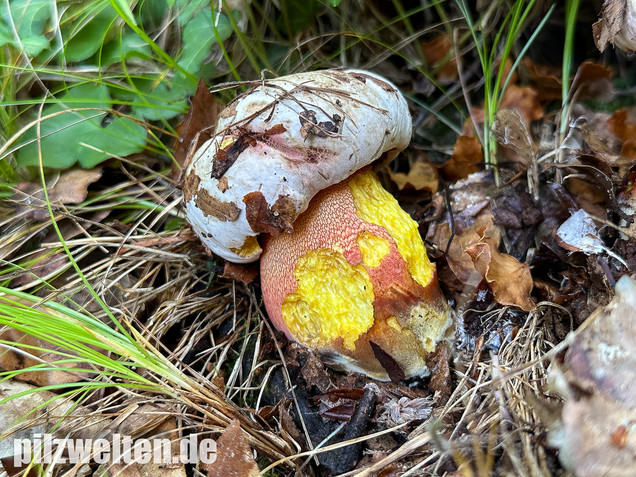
column 333, row 299
column 375, row 205
column 372, row 247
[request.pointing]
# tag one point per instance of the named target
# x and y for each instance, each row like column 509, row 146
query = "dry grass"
column 164, row 284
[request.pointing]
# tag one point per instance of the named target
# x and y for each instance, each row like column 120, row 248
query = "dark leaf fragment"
column 209, row 205
column 263, row 219
column 197, row 127
column 390, row 365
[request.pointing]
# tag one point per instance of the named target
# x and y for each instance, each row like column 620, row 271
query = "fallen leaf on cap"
column 422, row 176
column 596, row 434
column 578, row 234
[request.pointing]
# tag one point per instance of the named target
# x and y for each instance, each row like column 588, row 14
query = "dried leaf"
column 511, row 131
column 616, row 25
column 265, row 219
column 459, row 261
column 399, row 411
column 44, row 265
column 510, row 281
column 598, row 381
column 593, row 80
column 438, row 364
column 244, row 273
column 390, row 365
column 546, row 80
column 438, row 55
column 625, row 130
column 525, row 100
column 70, row 188
column 197, row 127
column 315, row 374
column 40, row 352
column 578, row 234
column 234, row 455
column 467, row 158
column 421, row 176
column 227, row 156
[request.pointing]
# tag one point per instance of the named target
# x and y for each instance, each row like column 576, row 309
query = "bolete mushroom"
column 344, row 270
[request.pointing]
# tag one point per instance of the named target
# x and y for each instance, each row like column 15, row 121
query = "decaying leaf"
column 616, row 25
column 70, row 188
column 509, row 279
column 597, row 431
column 467, row 158
column 545, row 79
column 511, row 131
column 197, row 127
column 39, row 412
column 244, row 273
column 234, row 456
column 525, row 100
column 439, row 54
column 624, row 127
column 12, row 360
column 578, row 234
column 593, row 80
column 473, row 255
column 421, row 176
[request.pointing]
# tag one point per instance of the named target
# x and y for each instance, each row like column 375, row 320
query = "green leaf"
column 29, row 18
column 126, row 46
column 84, row 43
column 151, row 14
column 73, row 136
column 186, row 9
column 335, row 3
column 198, row 39
column 6, row 37
column 34, row 45
column 155, row 101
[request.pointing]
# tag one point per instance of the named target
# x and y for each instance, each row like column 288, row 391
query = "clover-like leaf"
column 87, row 136
column 198, row 37
column 85, row 42
column 29, row 18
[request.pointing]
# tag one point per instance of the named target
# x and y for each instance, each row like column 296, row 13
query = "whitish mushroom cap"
column 282, row 142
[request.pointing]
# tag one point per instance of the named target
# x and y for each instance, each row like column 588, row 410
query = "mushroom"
column 344, row 270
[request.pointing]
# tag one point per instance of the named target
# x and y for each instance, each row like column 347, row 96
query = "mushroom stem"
column 354, row 282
